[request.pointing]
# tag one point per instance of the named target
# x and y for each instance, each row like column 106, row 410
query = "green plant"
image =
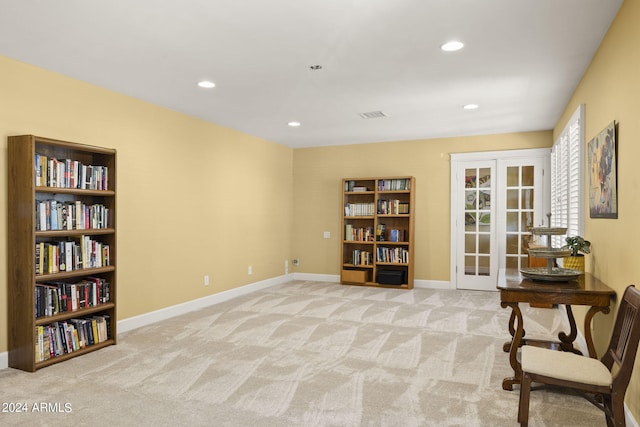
column 577, row 244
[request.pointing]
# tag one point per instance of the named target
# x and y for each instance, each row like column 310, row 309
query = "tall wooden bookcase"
column 378, row 231
column 61, row 250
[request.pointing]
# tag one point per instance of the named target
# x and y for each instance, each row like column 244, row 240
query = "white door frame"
column 458, row 159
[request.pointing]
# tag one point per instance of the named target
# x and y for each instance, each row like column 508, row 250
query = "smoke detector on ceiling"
column 373, row 115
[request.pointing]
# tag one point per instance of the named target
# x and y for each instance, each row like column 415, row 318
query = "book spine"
column 68, row 173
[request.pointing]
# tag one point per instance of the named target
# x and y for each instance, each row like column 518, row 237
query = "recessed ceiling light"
column 373, row 114
column 471, row 106
column 206, row 84
column 294, row 124
column 452, row 46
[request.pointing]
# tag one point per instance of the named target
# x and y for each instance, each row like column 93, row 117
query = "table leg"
column 506, row 347
column 517, row 334
column 566, row 341
column 587, row 329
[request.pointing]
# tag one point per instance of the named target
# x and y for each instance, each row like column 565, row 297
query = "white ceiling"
column 521, row 61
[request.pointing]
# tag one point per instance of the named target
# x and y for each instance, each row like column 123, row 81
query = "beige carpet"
column 303, row 354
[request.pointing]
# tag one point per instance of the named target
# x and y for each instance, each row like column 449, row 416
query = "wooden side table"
column 514, row 289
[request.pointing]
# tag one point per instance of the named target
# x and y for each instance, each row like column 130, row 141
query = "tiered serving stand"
column 550, row 273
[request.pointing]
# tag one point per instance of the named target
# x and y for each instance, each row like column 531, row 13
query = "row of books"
column 395, row 255
column 60, row 297
column 54, row 257
column 359, row 234
column 57, row 215
column 391, row 235
column 353, row 186
column 66, row 173
column 397, row 235
column 392, row 207
column 360, row 257
column 64, row 337
column 400, row 184
column 359, row 209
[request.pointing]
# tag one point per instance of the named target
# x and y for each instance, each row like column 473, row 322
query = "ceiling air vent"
column 372, row 115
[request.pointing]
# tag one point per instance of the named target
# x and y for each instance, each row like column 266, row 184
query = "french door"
column 496, row 197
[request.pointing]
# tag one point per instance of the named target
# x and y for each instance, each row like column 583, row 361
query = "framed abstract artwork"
column 603, row 191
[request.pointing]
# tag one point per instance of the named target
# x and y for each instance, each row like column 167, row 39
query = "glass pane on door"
column 519, row 215
column 478, row 221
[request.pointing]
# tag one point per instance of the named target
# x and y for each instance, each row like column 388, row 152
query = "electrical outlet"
column 206, row 280
column 250, row 270
column 296, row 261
column 327, row 234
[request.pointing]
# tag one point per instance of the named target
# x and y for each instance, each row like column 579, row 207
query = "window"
column 567, row 158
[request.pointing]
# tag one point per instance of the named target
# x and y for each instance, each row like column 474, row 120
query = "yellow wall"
column 193, row 198
column 318, row 195
column 610, row 90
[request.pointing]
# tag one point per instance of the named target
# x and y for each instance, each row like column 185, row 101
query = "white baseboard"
column 333, row 278
column 432, row 284
column 4, row 360
column 186, row 307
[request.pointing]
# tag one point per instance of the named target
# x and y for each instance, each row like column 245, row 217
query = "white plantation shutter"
column 567, row 157
column 575, row 193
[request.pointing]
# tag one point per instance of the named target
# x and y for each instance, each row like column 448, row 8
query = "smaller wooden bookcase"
column 378, row 231
column 61, row 251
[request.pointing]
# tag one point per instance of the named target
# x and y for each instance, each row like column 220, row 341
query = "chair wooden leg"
column 617, row 410
column 523, row 406
column 608, row 412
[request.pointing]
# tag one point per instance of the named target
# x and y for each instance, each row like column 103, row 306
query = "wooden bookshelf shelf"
column 64, row 233
column 72, row 314
column 74, row 273
column 378, row 229
column 62, row 229
column 75, row 191
column 73, row 354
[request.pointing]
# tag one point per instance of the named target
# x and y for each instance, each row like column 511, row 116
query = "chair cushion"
column 565, row 366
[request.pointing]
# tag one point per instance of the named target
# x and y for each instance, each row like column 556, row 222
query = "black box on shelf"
column 390, row 277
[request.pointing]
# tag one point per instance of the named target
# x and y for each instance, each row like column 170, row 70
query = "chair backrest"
column 624, row 339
